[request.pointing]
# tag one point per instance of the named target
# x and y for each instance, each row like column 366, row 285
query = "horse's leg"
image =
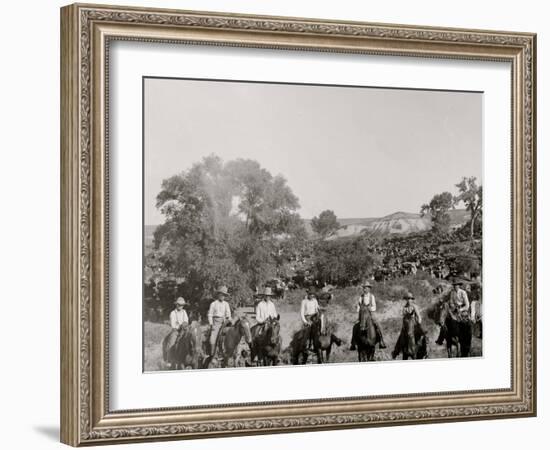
column 327, row 351
column 319, row 355
column 225, row 361
column 370, row 356
column 467, row 332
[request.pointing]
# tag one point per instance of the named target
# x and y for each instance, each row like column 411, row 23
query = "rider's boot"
column 352, row 346
column 440, row 339
column 381, row 342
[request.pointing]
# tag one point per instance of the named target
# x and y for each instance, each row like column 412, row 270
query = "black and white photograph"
column 290, row 224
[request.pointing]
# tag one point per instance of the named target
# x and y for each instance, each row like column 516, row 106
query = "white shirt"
column 309, row 307
column 368, row 300
column 264, row 310
column 459, row 299
column 178, row 318
column 219, row 309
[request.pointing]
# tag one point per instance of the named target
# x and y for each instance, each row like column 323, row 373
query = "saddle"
column 459, row 316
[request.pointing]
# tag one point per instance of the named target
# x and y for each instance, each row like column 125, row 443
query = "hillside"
column 397, row 223
column 393, row 224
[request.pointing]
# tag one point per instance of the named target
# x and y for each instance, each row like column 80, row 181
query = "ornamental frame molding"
column 86, row 33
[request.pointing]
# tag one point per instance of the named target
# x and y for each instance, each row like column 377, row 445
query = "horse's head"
column 441, row 312
column 364, row 317
column 244, row 329
column 273, row 331
column 409, row 322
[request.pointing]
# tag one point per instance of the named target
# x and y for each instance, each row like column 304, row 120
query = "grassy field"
column 341, row 313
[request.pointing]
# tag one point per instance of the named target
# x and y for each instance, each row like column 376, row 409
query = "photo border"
column 241, row 81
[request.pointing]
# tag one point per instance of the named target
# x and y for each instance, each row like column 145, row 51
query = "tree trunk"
column 472, row 223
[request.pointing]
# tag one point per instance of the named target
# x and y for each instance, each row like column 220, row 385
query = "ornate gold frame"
column 86, row 31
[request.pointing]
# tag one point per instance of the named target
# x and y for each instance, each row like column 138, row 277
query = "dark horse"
column 456, row 331
column 188, row 350
column 364, row 335
column 321, row 337
column 231, row 336
column 266, row 346
column 412, row 340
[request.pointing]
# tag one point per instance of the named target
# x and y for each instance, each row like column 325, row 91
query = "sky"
column 359, row 151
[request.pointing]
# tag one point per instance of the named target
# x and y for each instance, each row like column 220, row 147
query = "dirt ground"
column 341, row 313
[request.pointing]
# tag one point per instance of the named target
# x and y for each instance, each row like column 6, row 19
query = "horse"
column 322, row 338
column 298, row 347
column 457, row 332
column 266, row 346
column 476, row 316
column 188, row 351
column 169, row 345
column 412, row 340
column 364, row 335
column 231, row 335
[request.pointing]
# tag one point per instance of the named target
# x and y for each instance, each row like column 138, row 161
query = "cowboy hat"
column 180, row 301
column 456, row 282
column 223, row 290
column 366, row 284
column 268, row 292
column 408, row 296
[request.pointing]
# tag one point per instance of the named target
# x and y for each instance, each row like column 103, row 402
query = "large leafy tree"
column 438, row 210
column 266, row 202
column 326, row 224
column 471, row 194
column 224, row 223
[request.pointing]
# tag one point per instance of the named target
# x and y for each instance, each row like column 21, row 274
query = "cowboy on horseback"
column 265, row 310
column 367, row 299
column 219, row 313
column 308, row 310
column 409, row 312
column 459, row 306
column 178, row 321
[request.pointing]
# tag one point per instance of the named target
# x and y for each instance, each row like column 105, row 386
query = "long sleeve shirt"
column 368, row 300
column 219, row 309
column 178, row 318
column 459, row 300
column 309, row 307
column 265, row 310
